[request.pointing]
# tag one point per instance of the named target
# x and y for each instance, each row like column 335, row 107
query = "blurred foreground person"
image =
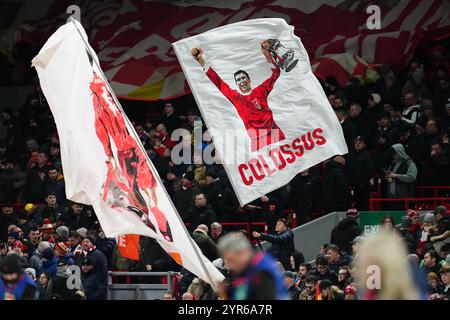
column 255, row 275
column 15, row 284
column 382, row 269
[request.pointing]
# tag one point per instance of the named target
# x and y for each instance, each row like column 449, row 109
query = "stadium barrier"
column 139, row 291
column 410, row 203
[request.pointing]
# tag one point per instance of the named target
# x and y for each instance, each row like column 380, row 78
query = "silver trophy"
column 284, row 57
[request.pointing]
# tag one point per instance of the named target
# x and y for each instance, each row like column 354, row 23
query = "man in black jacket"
column 7, row 218
column 51, row 210
column 153, row 257
column 220, row 197
column 322, row 270
column 202, row 214
column 75, row 217
column 334, row 185
column 94, row 285
column 282, row 242
column 345, row 231
column 359, row 171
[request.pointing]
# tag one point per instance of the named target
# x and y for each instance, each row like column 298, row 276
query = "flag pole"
column 138, row 140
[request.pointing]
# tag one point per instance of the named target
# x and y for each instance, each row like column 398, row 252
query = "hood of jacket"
column 400, row 150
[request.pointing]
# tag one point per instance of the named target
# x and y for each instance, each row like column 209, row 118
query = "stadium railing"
column 133, row 290
column 411, row 203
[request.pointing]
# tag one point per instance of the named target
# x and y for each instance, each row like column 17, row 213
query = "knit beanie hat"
column 429, row 217
column 62, row 232
column 62, row 248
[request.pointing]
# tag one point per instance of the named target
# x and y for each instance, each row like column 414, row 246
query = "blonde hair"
column 387, row 251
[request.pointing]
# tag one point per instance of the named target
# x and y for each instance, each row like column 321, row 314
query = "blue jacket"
column 25, row 289
column 50, row 266
column 241, row 287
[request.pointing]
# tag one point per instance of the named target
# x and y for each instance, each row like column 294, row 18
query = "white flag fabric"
column 103, row 161
column 265, row 110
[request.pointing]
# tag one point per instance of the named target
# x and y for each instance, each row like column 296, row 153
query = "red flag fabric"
column 133, row 38
column 128, row 246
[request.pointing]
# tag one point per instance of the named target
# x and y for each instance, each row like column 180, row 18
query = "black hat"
column 92, row 239
column 325, row 284
column 10, row 264
column 189, row 176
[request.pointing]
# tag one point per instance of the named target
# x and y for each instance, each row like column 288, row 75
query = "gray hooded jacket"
column 402, row 186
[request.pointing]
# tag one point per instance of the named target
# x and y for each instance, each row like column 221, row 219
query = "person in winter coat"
column 7, row 218
column 49, row 263
column 184, row 198
column 401, row 174
column 94, row 284
column 305, row 194
column 334, row 185
column 153, row 257
column 282, row 242
column 410, row 236
column 15, row 284
column 346, row 230
column 202, row 214
column 205, row 243
column 75, row 217
column 220, row 196
column 360, row 168
column 60, row 289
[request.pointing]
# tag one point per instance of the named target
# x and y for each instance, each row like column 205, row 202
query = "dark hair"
column 325, row 245
column 311, row 279
column 306, row 265
column 51, row 168
column 298, row 258
column 50, row 194
column 434, row 254
column 388, row 217
column 322, row 261
column 33, row 228
column 240, row 71
column 333, row 247
column 284, row 221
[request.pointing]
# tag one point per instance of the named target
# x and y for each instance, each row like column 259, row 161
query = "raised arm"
column 230, row 94
column 268, row 84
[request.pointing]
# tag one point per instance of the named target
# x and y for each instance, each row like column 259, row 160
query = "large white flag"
column 265, row 110
column 103, row 161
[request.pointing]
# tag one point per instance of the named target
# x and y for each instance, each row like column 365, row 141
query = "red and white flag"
column 264, row 108
column 103, row 160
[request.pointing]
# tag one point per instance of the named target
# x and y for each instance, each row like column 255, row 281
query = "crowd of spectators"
column 396, row 126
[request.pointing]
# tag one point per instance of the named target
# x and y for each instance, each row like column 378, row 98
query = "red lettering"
column 280, row 165
column 247, row 181
column 297, row 145
column 285, row 148
column 268, row 170
column 260, row 175
column 320, row 140
column 310, row 145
